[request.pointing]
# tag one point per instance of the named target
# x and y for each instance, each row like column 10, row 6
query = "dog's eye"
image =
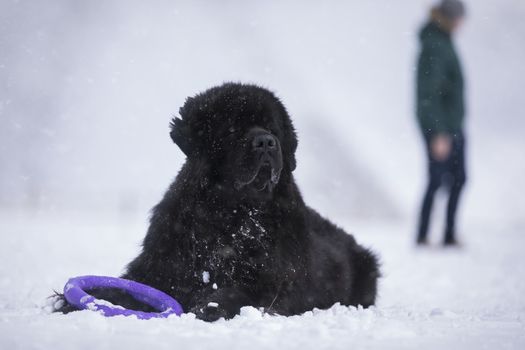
column 274, row 132
column 231, row 134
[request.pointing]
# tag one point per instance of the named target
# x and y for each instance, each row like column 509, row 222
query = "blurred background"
column 87, row 89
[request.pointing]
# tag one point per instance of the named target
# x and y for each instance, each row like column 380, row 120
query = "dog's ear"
column 180, row 134
column 293, row 146
column 290, row 139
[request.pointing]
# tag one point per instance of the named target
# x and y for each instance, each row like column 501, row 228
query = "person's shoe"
column 451, row 242
column 422, row 241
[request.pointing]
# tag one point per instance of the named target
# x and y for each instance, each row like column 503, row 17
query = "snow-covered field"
column 431, row 299
column 86, row 93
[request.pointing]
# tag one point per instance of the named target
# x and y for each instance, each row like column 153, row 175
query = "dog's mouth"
column 264, row 178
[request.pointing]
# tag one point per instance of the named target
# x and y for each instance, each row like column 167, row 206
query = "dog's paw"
column 58, row 303
column 210, row 312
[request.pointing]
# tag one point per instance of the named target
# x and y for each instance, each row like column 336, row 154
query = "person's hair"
column 452, row 9
column 446, row 13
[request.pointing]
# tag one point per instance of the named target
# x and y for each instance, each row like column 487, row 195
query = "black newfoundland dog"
column 232, row 229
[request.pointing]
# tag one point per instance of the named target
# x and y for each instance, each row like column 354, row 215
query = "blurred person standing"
column 440, row 113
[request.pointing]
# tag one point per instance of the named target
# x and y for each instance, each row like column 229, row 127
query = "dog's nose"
column 264, row 142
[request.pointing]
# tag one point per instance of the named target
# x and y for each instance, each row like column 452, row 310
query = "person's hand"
column 440, row 147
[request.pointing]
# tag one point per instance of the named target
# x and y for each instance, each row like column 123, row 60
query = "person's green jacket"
column 440, row 103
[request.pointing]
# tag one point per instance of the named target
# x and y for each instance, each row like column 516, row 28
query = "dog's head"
column 243, row 132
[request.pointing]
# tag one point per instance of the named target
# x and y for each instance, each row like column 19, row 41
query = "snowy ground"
column 431, row 299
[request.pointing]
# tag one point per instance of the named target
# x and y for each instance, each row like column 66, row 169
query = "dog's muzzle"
column 266, row 152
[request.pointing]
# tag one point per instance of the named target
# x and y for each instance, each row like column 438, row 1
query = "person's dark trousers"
column 450, row 173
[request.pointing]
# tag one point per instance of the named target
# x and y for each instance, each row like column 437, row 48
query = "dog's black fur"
column 235, row 213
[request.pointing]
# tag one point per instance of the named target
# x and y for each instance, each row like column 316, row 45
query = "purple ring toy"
column 74, row 292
